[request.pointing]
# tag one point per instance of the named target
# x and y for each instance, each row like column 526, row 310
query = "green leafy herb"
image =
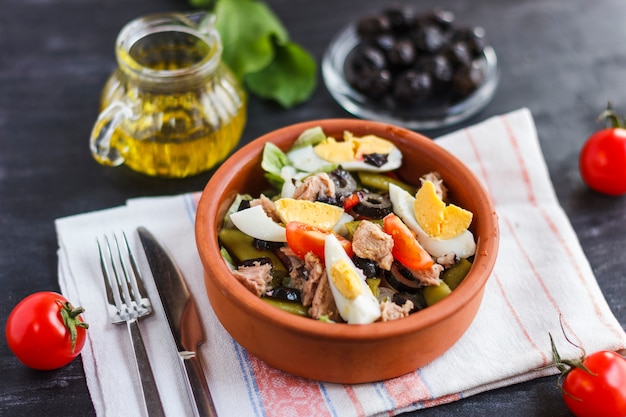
column 257, row 48
column 312, row 136
column 272, row 162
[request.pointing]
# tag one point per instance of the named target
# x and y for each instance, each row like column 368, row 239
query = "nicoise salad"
column 339, row 237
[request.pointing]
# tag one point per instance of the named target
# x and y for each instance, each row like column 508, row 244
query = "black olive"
column 369, row 27
column 467, row 79
column 265, row 245
column 401, row 279
column 345, row 184
column 367, row 56
column 243, row 204
column 261, row 261
column 401, row 17
column 412, row 86
column 401, row 54
column 373, row 83
column 439, row 68
column 429, row 39
column 373, row 206
column 419, row 303
column 474, row 37
column 459, row 54
column 376, row 159
column 285, row 294
column 385, row 42
column 442, row 18
column 370, row 268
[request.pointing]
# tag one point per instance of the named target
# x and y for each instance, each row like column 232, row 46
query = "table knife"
column 183, row 318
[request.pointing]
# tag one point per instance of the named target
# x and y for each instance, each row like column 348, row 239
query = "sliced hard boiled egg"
column 462, row 245
column 255, row 222
column 305, row 159
column 313, row 213
column 353, row 297
column 435, row 217
column 348, row 153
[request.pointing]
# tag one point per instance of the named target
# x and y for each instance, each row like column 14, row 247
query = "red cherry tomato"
column 602, row 161
column 406, row 248
column 45, row 332
column 350, row 201
column 600, row 390
column 303, row 238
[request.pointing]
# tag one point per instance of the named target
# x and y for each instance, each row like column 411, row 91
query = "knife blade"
column 183, row 319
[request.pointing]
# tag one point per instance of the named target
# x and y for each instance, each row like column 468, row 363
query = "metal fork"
column 127, row 302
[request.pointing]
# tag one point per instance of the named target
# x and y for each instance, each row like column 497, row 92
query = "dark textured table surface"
column 563, row 59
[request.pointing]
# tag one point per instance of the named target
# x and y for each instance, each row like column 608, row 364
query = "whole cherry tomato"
column 45, row 331
column 594, row 385
column 602, row 160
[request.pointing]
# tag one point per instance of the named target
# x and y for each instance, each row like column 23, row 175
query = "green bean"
column 455, row 275
column 381, row 182
column 239, row 245
column 435, row 293
column 374, row 284
column 292, row 307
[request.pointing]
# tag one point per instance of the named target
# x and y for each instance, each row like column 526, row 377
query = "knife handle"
column 198, row 388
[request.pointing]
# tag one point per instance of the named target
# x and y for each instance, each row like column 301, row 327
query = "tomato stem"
column 71, row 320
column 567, row 365
column 612, row 119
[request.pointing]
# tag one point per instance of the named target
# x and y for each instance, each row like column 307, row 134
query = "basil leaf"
column 257, row 48
column 248, row 29
column 289, row 79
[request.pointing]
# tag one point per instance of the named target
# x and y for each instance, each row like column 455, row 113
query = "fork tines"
column 125, row 285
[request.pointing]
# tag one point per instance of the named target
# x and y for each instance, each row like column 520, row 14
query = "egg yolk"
column 313, row 213
column 346, row 280
column 437, row 219
column 352, row 148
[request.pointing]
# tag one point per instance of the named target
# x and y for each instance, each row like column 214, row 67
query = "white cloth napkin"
column 541, row 279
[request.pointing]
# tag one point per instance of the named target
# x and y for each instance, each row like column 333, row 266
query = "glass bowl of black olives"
column 416, row 70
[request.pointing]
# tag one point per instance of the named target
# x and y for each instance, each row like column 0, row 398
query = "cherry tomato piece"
column 303, row 238
column 350, row 201
column 599, row 392
column 45, row 331
column 406, row 249
column 602, row 161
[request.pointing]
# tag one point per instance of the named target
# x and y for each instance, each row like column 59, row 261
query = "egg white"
column 255, row 222
column 403, row 203
column 306, row 159
column 364, row 308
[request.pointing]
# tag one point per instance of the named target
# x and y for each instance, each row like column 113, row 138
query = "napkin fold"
column 542, row 283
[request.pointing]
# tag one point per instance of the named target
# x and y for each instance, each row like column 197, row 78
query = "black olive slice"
column 285, row 294
column 345, row 184
column 261, row 261
column 373, row 206
column 369, row 267
column 401, row 279
column 260, row 244
column 419, row 303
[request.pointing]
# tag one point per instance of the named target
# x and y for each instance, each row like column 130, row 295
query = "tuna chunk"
column 392, row 311
column 323, row 301
column 316, row 187
column 255, row 278
column 371, row 242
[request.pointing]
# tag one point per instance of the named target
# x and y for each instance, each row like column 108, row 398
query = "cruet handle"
column 100, row 141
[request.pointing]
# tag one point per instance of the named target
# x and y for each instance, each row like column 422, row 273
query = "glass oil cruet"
column 171, row 108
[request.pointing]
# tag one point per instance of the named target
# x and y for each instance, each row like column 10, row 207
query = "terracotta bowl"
column 344, row 353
